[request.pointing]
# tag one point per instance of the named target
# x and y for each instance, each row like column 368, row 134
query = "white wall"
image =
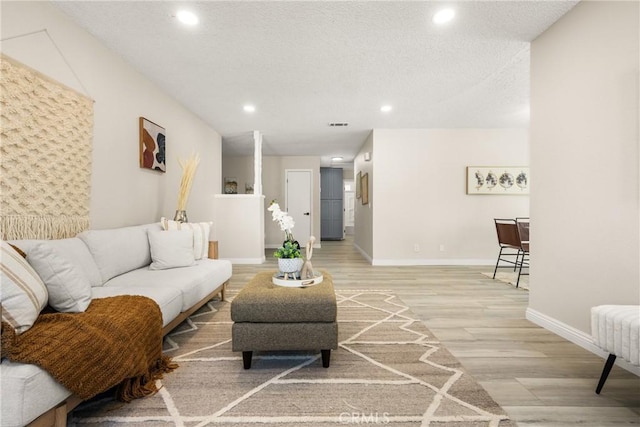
column 584, row 149
column 239, row 227
column 239, row 167
column 363, row 233
column 122, row 193
column 419, row 188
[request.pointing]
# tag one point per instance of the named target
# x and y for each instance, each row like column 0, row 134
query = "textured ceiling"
column 305, row 64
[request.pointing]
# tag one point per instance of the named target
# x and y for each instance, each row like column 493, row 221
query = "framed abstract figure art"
column 152, row 146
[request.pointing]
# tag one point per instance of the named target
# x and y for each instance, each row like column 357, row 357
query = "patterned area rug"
column 389, row 369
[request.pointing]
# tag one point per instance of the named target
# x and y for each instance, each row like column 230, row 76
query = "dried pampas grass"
column 189, row 167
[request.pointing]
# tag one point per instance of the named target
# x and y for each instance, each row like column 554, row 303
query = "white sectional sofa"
column 113, row 262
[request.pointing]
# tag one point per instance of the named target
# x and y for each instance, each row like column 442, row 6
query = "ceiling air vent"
column 338, row 124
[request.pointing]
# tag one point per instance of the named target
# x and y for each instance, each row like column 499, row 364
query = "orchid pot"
column 290, row 265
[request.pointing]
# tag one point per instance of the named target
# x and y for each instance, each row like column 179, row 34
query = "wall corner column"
column 257, row 162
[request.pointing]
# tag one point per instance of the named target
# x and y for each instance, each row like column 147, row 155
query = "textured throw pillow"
column 200, row 230
column 171, row 249
column 22, row 292
column 68, row 287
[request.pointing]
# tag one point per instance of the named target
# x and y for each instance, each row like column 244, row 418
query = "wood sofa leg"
column 605, row 372
column 246, row 359
column 326, row 358
column 61, row 416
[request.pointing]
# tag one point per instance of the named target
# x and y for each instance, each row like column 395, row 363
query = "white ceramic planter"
column 290, row 265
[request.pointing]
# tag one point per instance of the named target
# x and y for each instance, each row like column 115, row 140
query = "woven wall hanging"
column 45, row 155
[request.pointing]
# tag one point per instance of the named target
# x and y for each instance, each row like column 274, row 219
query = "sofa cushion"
column 68, row 287
column 22, row 293
column 74, row 250
column 27, row 392
column 194, row 282
column 168, row 299
column 200, row 230
column 119, row 250
column 171, row 249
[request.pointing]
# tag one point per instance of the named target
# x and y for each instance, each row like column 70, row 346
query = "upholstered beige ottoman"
column 269, row 317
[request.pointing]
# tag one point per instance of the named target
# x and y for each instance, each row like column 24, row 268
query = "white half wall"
column 584, row 150
column 422, row 214
column 122, row 193
column 238, row 227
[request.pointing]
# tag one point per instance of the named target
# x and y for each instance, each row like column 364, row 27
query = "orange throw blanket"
column 117, row 341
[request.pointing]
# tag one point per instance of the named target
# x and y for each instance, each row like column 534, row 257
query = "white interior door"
column 298, row 202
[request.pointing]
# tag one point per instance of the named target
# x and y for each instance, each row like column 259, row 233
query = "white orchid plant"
column 283, row 218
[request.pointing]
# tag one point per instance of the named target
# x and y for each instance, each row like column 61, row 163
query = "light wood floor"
column 539, row 378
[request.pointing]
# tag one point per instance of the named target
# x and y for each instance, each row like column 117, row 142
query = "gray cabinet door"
column 331, row 219
column 331, row 208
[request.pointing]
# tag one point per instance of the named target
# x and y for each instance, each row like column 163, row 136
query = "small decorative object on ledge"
column 189, row 167
column 230, row 185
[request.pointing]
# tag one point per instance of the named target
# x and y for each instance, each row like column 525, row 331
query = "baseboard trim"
column 363, row 253
column 575, row 336
column 439, row 261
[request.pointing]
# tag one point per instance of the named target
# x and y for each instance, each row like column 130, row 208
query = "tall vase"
column 181, row 216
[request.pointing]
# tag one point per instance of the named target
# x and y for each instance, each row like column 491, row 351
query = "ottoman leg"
column 326, row 358
column 246, row 359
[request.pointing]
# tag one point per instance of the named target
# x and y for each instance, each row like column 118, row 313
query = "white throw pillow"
column 69, row 288
column 200, row 230
column 171, row 249
column 119, row 250
column 22, row 293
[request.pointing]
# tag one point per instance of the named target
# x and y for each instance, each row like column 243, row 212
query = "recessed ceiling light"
column 386, row 108
column 249, row 108
column 336, row 159
column 186, row 17
column 444, row 16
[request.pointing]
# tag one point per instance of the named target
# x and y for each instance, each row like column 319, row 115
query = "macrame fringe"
column 18, row 227
column 145, row 385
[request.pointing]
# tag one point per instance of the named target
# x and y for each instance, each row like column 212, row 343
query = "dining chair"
column 509, row 241
column 523, row 236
